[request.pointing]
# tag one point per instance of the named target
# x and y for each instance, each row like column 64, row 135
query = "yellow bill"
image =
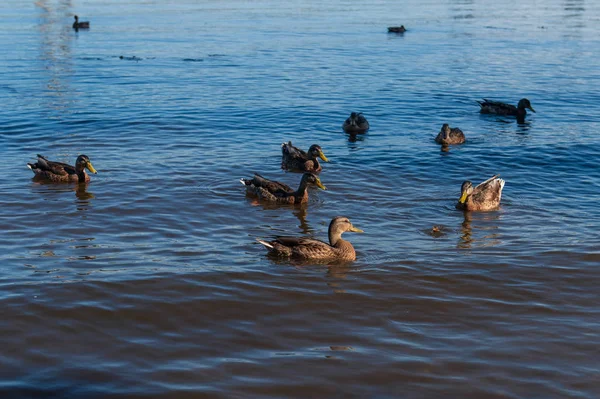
column 323, row 157
column 320, row 185
column 91, row 168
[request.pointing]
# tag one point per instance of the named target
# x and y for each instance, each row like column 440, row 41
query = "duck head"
column 83, row 162
column 315, row 151
column 465, row 190
column 524, row 103
column 311, row 178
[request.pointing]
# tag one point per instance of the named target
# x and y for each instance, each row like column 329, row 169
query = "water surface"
column 148, row 282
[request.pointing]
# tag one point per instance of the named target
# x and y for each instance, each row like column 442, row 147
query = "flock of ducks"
column 484, row 197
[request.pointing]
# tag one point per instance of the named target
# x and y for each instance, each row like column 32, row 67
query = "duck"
column 485, row 197
column 293, row 158
column 499, row 108
column 276, row 192
column 61, row 172
column 338, row 249
column 80, row 25
column 397, row 29
column 448, row 135
column 356, row 123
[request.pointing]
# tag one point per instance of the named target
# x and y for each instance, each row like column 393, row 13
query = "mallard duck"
column 274, row 191
column 397, row 29
column 448, row 135
column 309, row 248
column 498, row 108
column 486, row 196
column 293, row 158
column 80, row 25
column 62, row 172
column 356, row 123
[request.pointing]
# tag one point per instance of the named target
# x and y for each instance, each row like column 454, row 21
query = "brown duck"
column 397, row 29
column 485, row 197
column 61, row 172
column 274, row 191
column 80, row 25
column 499, row 108
column 293, row 158
column 309, row 248
column 356, row 123
column 449, row 135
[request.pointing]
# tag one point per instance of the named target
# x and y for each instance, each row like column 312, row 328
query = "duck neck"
column 302, row 187
column 335, row 237
column 80, row 170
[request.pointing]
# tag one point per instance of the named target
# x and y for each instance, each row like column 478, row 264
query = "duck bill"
column 323, row 157
column 463, row 197
column 91, row 168
column 355, row 230
column 320, row 185
column 531, row 108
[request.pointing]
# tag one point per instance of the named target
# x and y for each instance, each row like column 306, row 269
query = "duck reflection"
column 485, row 222
column 84, row 197
column 300, row 211
column 355, row 137
column 466, row 232
column 54, row 192
column 336, row 273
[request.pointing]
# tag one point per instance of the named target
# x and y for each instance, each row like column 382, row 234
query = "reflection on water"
column 55, row 54
column 83, row 196
column 300, row 211
column 486, row 223
column 54, row 192
column 160, row 251
column 355, row 137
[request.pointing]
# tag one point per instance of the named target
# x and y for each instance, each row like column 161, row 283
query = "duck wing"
column 361, row 120
column 271, row 185
column 292, row 155
column 305, row 247
column 57, row 168
column 490, row 191
column 496, row 107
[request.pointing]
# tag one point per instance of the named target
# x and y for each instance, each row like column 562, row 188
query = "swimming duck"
column 486, row 196
column 356, row 123
column 498, row 108
column 293, row 158
column 397, row 29
column 80, row 25
column 448, row 136
column 62, row 172
column 309, row 248
column 274, row 191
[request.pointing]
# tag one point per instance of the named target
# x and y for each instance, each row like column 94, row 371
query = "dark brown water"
column 148, row 282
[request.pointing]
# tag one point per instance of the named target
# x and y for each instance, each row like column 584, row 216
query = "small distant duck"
column 293, row 158
column 448, row 136
column 498, row 108
column 80, row 25
column 397, row 29
column 274, row 191
column 309, row 248
column 59, row 172
column 356, row 123
column 485, row 197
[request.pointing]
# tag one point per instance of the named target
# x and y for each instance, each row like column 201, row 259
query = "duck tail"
column 266, row 244
column 30, row 165
column 243, row 181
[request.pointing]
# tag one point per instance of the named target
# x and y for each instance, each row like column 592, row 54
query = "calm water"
column 148, row 282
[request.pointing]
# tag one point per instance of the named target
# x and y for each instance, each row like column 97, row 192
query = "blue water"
column 148, row 282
